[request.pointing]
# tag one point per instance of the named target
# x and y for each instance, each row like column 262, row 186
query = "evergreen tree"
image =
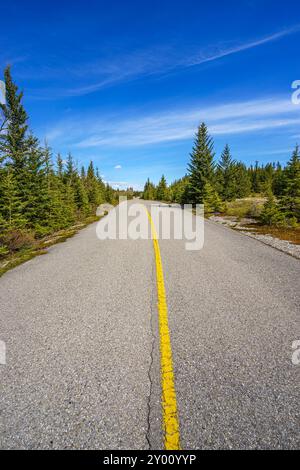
column 271, row 214
column 109, row 194
column 255, row 174
column 162, row 190
column 149, row 192
column 93, row 189
column 60, row 166
column 11, row 207
column 101, row 185
column 278, row 180
column 35, row 189
column 290, row 200
column 69, row 206
column 3, row 223
column 178, row 190
column 267, row 178
column 48, row 164
column 13, row 141
column 201, row 166
column 81, row 197
column 211, row 200
column 226, row 176
column 33, row 194
column 59, row 215
column 71, row 172
column 242, row 181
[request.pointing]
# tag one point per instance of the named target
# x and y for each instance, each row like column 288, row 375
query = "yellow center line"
column 169, row 403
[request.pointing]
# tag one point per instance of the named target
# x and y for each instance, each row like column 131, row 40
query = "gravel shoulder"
column 281, row 245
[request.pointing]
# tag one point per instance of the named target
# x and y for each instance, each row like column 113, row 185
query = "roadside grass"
column 245, row 208
column 250, row 208
column 39, row 246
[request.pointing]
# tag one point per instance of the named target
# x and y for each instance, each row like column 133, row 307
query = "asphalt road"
column 81, row 332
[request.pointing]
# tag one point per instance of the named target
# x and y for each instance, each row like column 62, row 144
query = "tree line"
column 38, row 195
column 215, row 183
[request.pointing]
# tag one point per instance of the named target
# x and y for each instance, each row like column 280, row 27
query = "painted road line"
column 169, row 403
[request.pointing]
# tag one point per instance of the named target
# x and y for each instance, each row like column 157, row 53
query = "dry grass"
column 39, row 247
column 251, row 207
column 290, row 234
column 243, row 208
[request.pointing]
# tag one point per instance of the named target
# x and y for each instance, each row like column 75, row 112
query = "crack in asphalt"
column 150, row 370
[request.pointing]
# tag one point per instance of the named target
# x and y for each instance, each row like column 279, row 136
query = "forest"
column 217, row 183
column 39, row 194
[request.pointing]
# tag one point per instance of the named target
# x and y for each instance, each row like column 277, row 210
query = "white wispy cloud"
column 177, row 124
column 118, row 167
column 240, row 127
column 243, row 47
column 160, row 61
column 282, row 151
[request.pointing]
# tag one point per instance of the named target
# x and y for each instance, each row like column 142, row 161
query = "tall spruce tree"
column 35, row 190
column 13, row 140
column 162, row 190
column 149, row 191
column 60, row 166
column 71, row 172
column 59, row 214
column 290, row 200
column 278, row 180
column 11, row 206
column 109, row 194
column 93, row 189
column 255, row 177
column 201, row 166
column 271, row 214
column 81, row 197
column 243, row 184
column 48, row 164
column 226, row 180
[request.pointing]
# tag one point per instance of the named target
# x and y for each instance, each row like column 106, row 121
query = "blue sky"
column 126, row 83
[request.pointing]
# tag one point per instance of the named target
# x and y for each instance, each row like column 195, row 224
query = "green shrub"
column 42, row 231
column 212, row 201
column 3, row 251
column 242, row 208
column 271, row 214
column 293, row 222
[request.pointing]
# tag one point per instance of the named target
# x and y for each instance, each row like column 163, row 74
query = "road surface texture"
column 81, row 332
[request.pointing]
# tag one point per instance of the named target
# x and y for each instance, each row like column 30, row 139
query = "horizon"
column 128, row 91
